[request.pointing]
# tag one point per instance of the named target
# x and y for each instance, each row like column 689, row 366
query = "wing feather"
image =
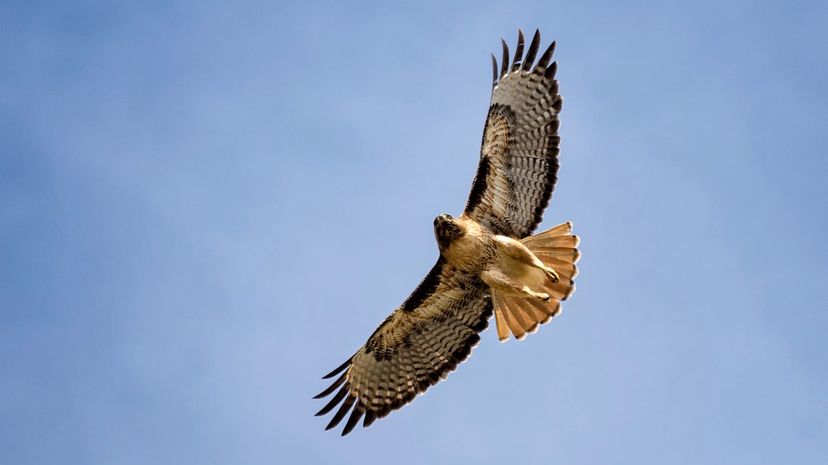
column 418, row 345
column 504, row 65
column 532, row 52
column 519, row 154
column 516, row 61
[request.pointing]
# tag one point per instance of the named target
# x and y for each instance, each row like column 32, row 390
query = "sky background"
column 204, row 207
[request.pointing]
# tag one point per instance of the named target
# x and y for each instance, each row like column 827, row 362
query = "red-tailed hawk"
column 488, row 261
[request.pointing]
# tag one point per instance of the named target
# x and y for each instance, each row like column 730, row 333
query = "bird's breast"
column 471, row 251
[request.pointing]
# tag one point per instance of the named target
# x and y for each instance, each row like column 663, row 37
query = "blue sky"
column 204, row 207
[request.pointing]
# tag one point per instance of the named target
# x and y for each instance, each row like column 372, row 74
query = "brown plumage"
column 488, row 263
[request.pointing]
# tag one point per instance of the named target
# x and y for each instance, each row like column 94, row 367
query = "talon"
column 552, row 275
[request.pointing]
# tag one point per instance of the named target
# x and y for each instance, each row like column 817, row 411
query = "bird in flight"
column 489, row 260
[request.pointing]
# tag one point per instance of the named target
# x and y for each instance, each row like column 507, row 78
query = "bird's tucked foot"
column 536, row 295
column 551, row 274
column 542, row 296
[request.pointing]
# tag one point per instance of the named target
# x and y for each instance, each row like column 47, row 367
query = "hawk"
column 489, row 262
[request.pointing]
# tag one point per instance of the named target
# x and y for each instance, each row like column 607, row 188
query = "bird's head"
column 447, row 229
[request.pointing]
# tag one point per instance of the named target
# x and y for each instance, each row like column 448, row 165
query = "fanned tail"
column 519, row 315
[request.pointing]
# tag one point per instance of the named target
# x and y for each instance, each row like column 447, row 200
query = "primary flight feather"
column 488, row 261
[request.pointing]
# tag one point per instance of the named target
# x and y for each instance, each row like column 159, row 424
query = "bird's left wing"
column 415, row 347
column 519, row 156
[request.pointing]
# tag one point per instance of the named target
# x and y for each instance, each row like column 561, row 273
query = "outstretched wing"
column 415, row 347
column 519, row 156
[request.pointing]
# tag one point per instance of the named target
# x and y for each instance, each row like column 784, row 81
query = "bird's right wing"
column 415, row 347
